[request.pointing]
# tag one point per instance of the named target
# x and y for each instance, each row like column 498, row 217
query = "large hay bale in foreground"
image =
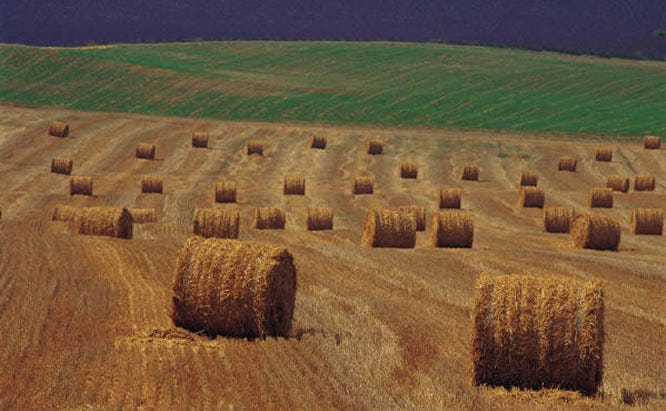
column 234, row 288
column 363, row 185
column 528, row 178
column 567, row 164
column 200, row 139
column 62, row 166
column 151, row 184
column 317, row 142
column 535, row 332
column 531, row 197
column 106, row 221
column 146, row 151
column 374, row 147
column 652, row 142
column 320, row 218
column 225, row 192
column 389, row 228
column 449, row 198
column 59, row 129
column 64, row 213
column 268, row 218
column 618, row 183
column 604, row 154
column 81, row 185
column 294, row 185
column 419, row 213
column 143, row 215
column 452, row 229
column 600, row 197
column 470, row 172
column 644, row 183
column 648, row 221
column 558, row 219
column 409, row 170
column 595, row 231
column 215, row 222
column 255, row 147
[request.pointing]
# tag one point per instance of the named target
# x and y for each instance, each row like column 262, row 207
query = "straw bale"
column 567, row 164
column 452, row 229
column 449, row 198
column 234, row 288
column 618, row 183
column 470, row 172
column 419, row 213
column 374, row 147
column 61, row 166
column 200, row 139
column 528, row 178
column 59, row 129
column 409, row 170
column 604, row 154
column 389, row 228
column 317, row 142
column 531, row 197
column 600, row 197
column 320, row 218
column 363, row 185
column 64, row 213
column 294, row 185
column 143, row 215
column 225, row 192
column 215, row 222
column 255, row 147
column 81, row 185
column 595, row 231
column 151, row 184
column 107, row 221
column 644, row 183
column 558, row 219
column 268, row 218
column 648, row 221
column 145, row 150
column 652, row 142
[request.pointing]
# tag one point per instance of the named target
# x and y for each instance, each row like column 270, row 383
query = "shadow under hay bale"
column 389, row 228
column 215, row 222
column 452, row 229
column 81, row 185
column 618, row 183
column 363, row 185
column 604, row 154
column 600, row 197
column 320, row 218
column 644, row 183
column 225, row 192
column 294, row 185
column 317, row 142
column 143, row 215
column 595, row 231
column 151, row 184
column 528, row 178
column 104, row 221
column 531, row 197
column 652, row 142
column 450, row 198
column 558, row 219
column 59, row 129
column 374, row 147
column 200, row 139
column 567, row 163
column 419, row 213
column 409, row 170
column 268, row 218
column 648, row 221
column 255, row 147
column 234, row 288
column 470, row 172
column 534, row 332
column 62, row 166
column 64, row 213
column 145, row 151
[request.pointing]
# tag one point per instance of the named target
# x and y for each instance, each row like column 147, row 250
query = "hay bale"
column 268, row 218
column 294, row 185
column 644, row 183
column 531, row 197
column 255, row 147
column 409, row 170
column 389, row 228
column 534, row 332
column 604, row 154
column 317, row 142
column 234, row 288
column 567, row 164
column 81, row 185
column 648, row 221
column 528, row 178
column 107, row 221
column 145, row 150
column 419, row 213
column 151, row 184
column 449, row 198
column 470, row 172
column 200, row 139
column 363, row 185
column 225, row 192
column 558, row 219
column 143, row 215
column 215, row 222
column 600, row 197
column 61, row 166
column 595, row 231
column 320, row 218
column 618, row 183
column 59, row 129
column 374, row 147
column 652, row 142
column 64, row 213
column 453, row 229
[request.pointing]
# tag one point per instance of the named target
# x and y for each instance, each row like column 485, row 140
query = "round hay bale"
column 567, row 164
column 234, row 288
column 255, row 147
column 107, row 221
column 363, row 185
column 452, row 229
column 644, row 183
column 320, row 218
column 652, row 142
column 600, row 197
column 268, row 218
column 146, row 151
column 531, row 197
column 374, row 147
column 534, row 332
column 143, row 215
column 648, row 221
column 528, row 178
column 409, row 170
column 449, row 198
column 470, row 172
column 151, row 184
column 389, row 228
column 64, row 213
column 200, row 139
column 215, row 222
column 62, row 166
column 294, row 185
column 595, row 231
column 618, row 183
column 225, row 192
column 81, row 185
column 317, row 142
column 558, row 219
column 604, row 154
column 419, row 213
column 59, row 129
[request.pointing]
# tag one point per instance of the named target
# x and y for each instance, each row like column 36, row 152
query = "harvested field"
column 143, row 215
column 64, row 213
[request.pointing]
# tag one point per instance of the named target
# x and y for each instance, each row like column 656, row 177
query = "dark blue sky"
column 606, row 27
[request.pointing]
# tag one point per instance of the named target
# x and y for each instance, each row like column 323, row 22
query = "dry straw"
column 453, row 229
column 374, row 147
column 652, row 142
column 531, row 197
column 647, row 221
column 317, row 142
column 200, row 139
column 107, row 221
column 61, row 166
column 81, row 185
column 604, row 154
column 528, row 178
column 59, row 129
column 419, row 213
column 600, row 197
column 294, row 185
column 145, row 150
column 215, row 222
column 449, row 198
column 567, row 164
column 234, row 288
column 644, row 183
column 151, row 184
column 320, row 218
column 558, row 219
column 363, row 185
column 595, row 231
column 255, row 147
column 268, row 218
column 389, row 228
column 64, row 213
column 143, row 215
column 535, row 332
column 618, row 183
column 225, row 192
column 409, row 170
column 470, row 172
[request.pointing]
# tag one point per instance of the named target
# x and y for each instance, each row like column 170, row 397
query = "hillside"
column 390, row 84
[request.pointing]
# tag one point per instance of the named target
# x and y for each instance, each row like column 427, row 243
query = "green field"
column 388, row 84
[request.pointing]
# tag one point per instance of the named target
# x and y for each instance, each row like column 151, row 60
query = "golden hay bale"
column 644, row 183
column 528, row 178
column 200, row 139
column 470, row 172
column 143, row 215
column 449, row 198
column 363, row 185
column 600, row 197
column 604, row 154
column 558, row 219
column 535, row 332
column 151, row 184
column 234, row 288
column 255, row 147
column 374, row 147
column 567, row 164
column 215, row 222
column 389, row 228
column 81, row 185
column 409, row 170
column 595, row 231
column 59, row 129
column 268, row 218
column 108, row 221
column 618, row 183
column 317, row 142
column 452, row 228
column 225, row 192
column 294, row 185
column 145, row 150
column 64, row 213
column 647, row 221
column 320, row 218
column 419, row 213
column 61, row 166
column 652, row 142
column 531, row 197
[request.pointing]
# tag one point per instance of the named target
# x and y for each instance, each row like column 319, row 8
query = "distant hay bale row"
column 648, row 221
column 604, row 154
column 531, row 197
column 419, row 212
column 62, row 166
column 268, row 218
column 320, row 218
column 225, row 192
column 595, row 231
column 389, row 228
column 449, row 198
column 234, row 288
column 558, row 219
column 600, row 197
column 104, row 221
column 317, row 142
column 143, row 215
column 618, row 183
column 215, row 222
column 452, row 228
column 374, row 147
column 200, row 139
column 145, row 151
column 652, row 142
column 535, row 332
column 567, row 164
column 59, row 129
column 470, row 172
column 64, row 213
column 409, row 170
column 255, row 147
column 528, row 178
column 294, row 185
column 151, row 184
column 363, row 185
column 644, row 183
column 81, row 185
